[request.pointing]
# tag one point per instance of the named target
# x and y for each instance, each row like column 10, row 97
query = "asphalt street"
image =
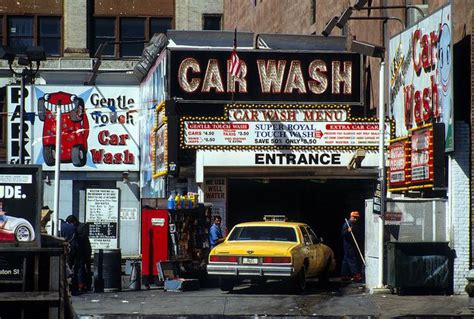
column 271, row 300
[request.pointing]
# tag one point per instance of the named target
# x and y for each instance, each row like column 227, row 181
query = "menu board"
column 102, row 212
column 287, row 134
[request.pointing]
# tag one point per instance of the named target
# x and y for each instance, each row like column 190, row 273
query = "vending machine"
column 154, row 247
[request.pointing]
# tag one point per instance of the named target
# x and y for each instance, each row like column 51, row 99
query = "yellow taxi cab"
column 271, row 249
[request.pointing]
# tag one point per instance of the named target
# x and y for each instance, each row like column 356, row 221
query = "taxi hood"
column 254, row 248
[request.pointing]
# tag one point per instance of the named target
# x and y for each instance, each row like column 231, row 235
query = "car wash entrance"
column 321, row 203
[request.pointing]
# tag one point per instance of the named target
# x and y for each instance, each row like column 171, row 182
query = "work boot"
column 357, row 277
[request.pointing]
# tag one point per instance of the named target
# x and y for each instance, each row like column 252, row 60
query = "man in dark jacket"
column 81, row 253
column 351, row 267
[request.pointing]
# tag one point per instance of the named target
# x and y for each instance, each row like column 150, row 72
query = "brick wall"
column 459, row 202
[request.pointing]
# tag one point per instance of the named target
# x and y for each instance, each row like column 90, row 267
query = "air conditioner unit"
column 414, row 15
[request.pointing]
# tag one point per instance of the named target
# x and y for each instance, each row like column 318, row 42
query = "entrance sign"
column 288, row 158
column 102, row 213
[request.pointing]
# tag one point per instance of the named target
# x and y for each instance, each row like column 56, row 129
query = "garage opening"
column 321, row 203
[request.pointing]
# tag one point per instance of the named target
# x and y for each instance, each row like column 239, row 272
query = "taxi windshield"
column 268, row 233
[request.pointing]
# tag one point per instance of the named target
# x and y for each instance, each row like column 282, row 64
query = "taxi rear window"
column 263, row 233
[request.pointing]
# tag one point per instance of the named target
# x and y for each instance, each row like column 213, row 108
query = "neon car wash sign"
column 267, row 76
column 421, row 89
column 99, row 128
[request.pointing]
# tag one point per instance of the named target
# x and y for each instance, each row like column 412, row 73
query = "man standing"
column 215, row 233
column 82, row 255
column 350, row 264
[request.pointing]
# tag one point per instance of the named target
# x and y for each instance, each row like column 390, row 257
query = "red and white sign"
column 286, row 134
column 399, row 161
column 422, row 155
column 284, row 115
column 392, row 218
column 421, row 81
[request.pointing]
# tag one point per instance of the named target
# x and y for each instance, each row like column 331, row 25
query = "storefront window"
column 20, row 33
column 211, row 22
column 132, row 29
column 104, row 32
column 50, row 35
column 26, row 31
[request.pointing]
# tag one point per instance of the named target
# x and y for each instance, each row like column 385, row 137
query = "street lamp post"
column 27, row 75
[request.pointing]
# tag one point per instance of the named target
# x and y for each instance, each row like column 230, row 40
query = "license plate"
column 251, row 261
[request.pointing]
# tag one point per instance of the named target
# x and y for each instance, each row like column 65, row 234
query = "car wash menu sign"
column 282, row 128
column 20, row 192
column 99, row 127
column 102, row 211
column 427, row 167
column 314, row 77
column 421, row 69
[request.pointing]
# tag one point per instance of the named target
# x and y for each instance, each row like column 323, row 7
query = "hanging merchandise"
column 177, row 201
column 171, row 202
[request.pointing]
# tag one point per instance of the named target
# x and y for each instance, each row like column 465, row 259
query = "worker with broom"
column 351, row 266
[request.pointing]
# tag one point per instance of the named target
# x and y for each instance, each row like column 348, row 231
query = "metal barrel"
column 109, row 262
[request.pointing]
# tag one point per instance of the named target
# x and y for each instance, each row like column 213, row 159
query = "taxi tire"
column 324, row 277
column 299, row 282
column 226, row 285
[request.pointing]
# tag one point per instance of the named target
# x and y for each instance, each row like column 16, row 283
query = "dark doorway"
column 322, row 204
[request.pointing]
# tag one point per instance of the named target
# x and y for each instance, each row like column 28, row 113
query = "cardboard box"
column 181, row 284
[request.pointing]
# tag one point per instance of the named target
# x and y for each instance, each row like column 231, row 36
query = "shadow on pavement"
column 335, row 287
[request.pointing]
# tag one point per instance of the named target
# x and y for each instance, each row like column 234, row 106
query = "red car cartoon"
column 74, row 128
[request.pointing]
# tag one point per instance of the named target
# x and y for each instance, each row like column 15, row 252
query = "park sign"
column 306, row 77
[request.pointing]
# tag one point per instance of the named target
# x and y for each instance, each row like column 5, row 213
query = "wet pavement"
column 339, row 299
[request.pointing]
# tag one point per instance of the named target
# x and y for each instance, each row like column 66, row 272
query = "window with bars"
column 132, row 32
column 160, row 25
column 25, row 31
column 1, row 30
column 211, row 21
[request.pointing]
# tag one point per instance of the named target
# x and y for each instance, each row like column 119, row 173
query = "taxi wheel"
column 324, row 277
column 299, row 282
column 226, row 285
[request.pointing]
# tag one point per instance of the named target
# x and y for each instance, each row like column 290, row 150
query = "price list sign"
column 102, row 212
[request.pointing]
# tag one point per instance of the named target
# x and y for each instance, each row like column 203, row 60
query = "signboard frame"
column 111, row 224
column 421, row 86
column 435, row 151
column 269, row 145
column 405, row 144
column 295, row 60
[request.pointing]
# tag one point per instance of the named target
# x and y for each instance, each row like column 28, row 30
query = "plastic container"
column 171, row 202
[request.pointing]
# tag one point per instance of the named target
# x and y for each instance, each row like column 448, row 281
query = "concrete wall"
column 75, row 28
column 189, row 13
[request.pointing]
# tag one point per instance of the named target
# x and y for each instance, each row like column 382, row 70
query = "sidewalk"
column 271, row 300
